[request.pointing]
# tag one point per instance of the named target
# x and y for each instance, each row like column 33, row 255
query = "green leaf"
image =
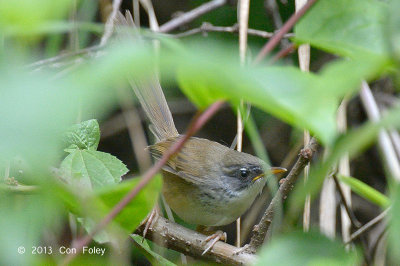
column 300, row 248
column 353, row 28
column 88, row 169
column 84, row 136
column 152, row 256
column 365, row 191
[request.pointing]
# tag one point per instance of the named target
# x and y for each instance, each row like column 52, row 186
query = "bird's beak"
column 273, row 170
column 258, row 177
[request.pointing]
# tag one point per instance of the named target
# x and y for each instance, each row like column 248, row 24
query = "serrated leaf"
column 89, row 169
column 353, row 28
column 152, row 256
column 84, row 136
column 306, row 249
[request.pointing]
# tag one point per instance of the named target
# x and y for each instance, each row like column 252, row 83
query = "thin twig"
column 243, row 15
column 19, row 188
column 285, row 28
column 273, row 10
column 135, row 130
column 304, row 63
column 344, row 169
column 261, row 229
column 109, row 27
column 283, row 52
column 192, row 243
column 353, row 219
column 389, row 154
column 368, row 226
column 191, row 15
column 197, row 123
column 62, row 56
column 208, row 27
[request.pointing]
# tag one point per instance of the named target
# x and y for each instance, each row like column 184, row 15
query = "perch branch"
column 192, row 243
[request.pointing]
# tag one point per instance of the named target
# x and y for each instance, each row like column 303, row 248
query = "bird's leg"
column 213, row 237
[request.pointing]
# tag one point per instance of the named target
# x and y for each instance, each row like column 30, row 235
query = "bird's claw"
column 214, row 238
column 149, row 221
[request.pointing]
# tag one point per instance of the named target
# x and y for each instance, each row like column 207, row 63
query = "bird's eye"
column 244, row 172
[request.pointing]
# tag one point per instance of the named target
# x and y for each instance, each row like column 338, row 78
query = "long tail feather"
column 149, row 92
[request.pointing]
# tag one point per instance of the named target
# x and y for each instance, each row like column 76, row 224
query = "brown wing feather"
column 193, row 162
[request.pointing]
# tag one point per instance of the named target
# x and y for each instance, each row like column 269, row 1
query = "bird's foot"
column 214, row 238
column 241, row 250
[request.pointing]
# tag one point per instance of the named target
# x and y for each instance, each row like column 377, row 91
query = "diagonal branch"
column 285, row 28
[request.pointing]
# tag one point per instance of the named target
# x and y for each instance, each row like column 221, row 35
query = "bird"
column 206, row 183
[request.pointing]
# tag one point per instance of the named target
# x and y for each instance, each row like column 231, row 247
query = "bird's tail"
column 149, row 92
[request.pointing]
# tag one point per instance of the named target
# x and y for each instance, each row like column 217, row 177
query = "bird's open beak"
column 273, row 170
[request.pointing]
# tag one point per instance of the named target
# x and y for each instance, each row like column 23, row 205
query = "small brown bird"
column 206, row 183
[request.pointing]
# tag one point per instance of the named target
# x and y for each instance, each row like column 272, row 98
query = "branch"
column 192, row 243
column 285, row 28
column 191, row 15
column 208, row 27
column 260, row 230
column 197, row 123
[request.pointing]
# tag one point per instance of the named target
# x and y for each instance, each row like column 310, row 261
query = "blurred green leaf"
column 84, row 136
column 353, row 28
column 30, row 14
column 24, row 220
column 152, row 256
column 138, row 208
column 394, row 225
column 365, row 191
column 88, row 169
column 305, row 100
column 393, row 30
column 300, row 248
column 130, row 217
